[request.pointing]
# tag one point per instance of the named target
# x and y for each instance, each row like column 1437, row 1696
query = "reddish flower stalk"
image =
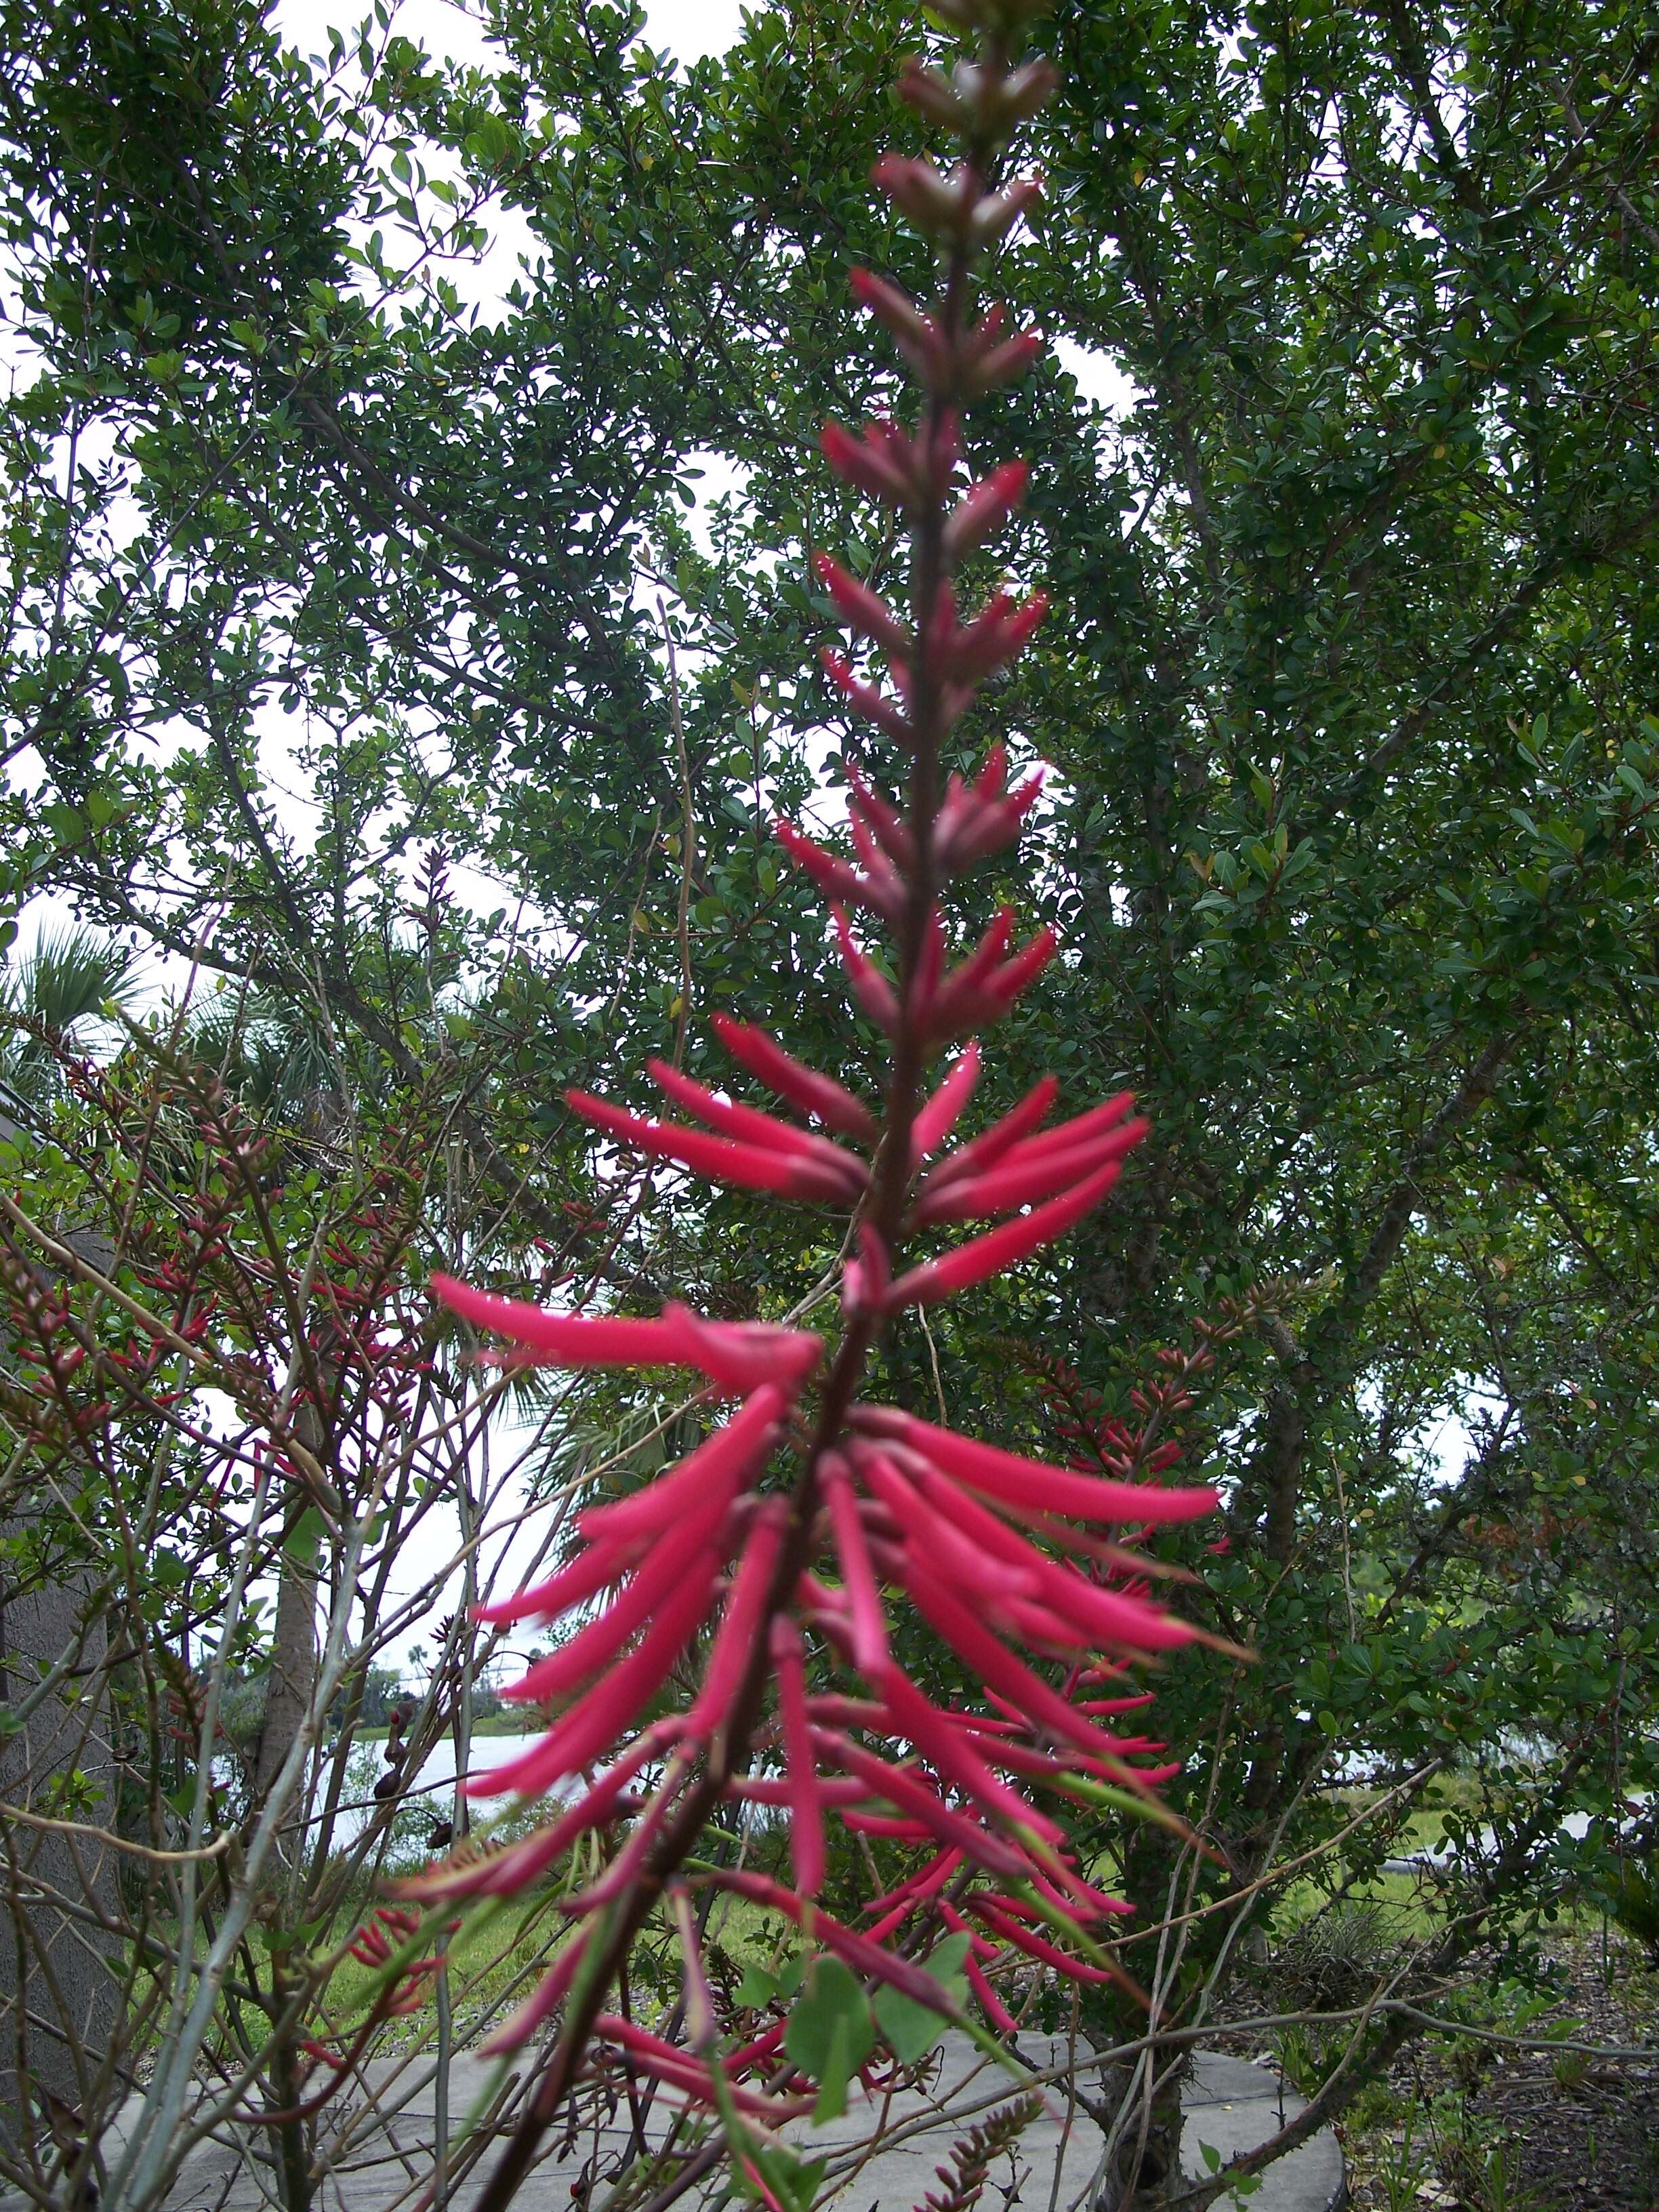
column 789, row 1573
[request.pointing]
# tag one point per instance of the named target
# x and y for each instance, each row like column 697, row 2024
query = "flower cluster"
column 786, row 1539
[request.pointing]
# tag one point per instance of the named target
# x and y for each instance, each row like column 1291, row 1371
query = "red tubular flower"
column 886, row 713
column 933, row 203
column 870, row 987
column 599, row 1566
column 378, row 1947
column 863, row 1598
column 745, row 1619
column 995, row 215
column 918, row 337
column 805, row 1089
column 804, row 1797
column 859, row 1952
column 1030, row 1483
column 866, row 463
column 877, row 887
column 606, row 1712
column 746, row 1124
column 596, row 1644
column 550, row 1994
column 505, row 1873
column 725, row 1460
column 787, row 1173
column 934, row 1123
column 982, row 1257
column 931, row 1817
column 985, row 507
column 866, row 1281
column 1023, row 1175
column 996, row 634
column 983, row 1151
column 676, row 2069
column 884, row 824
column 951, row 1750
column 1035, row 1946
column 983, row 989
column 737, row 1357
column 862, row 609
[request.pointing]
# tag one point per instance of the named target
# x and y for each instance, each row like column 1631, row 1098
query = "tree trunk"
column 59, row 1997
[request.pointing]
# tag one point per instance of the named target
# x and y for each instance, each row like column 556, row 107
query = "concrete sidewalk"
column 379, row 2158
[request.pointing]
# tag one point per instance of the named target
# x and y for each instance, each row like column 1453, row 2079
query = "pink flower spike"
column 504, row 1873
column 1016, row 1183
column 871, row 466
column 869, row 1626
column 984, row 1256
column 968, row 1636
column 859, row 1952
column 1034, row 1945
column 678, row 2070
column 871, row 988
column 980, row 1151
column 886, row 713
column 996, row 214
column 1033, row 1485
column 771, row 1789
column 862, row 610
column 931, row 202
column 1066, row 1136
column 985, row 507
column 1083, row 1608
column 740, row 1356
column 718, row 1159
column 743, row 1620
column 805, row 1088
column 972, row 973
column 934, row 1123
column 805, row 1807
column 617, row 1879
column 588, row 1727
column 930, row 963
column 721, row 1464
column 917, row 1886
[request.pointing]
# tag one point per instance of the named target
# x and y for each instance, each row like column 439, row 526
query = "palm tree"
column 50, row 1001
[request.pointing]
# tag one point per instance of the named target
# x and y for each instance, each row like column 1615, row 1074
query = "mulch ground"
column 1483, row 2129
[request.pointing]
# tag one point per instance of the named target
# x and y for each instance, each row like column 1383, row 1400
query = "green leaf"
column 794, row 2180
column 830, row 2034
column 911, row 2028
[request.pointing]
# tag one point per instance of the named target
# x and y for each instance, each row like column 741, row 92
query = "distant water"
column 431, row 1790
